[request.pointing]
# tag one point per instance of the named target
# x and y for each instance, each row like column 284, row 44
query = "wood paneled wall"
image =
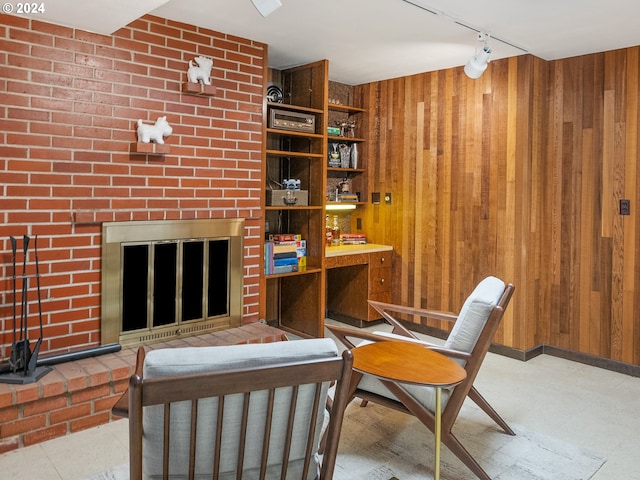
column 591, row 162
column 517, row 174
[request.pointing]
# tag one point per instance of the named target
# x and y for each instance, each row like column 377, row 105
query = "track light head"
column 477, row 64
column 266, row 7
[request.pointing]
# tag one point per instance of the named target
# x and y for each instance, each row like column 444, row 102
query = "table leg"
column 353, row 383
column 437, row 432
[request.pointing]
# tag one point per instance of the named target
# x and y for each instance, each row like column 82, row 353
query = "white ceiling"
column 370, row 40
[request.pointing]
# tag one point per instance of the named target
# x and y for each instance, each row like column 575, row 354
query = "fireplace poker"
column 23, row 343
column 13, row 361
column 35, row 246
column 36, row 349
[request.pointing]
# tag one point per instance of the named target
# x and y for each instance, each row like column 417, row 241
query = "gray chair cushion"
column 424, row 395
column 183, row 361
column 178, row 361
column 474, row 314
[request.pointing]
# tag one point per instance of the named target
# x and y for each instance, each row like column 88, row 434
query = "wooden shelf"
column 337, row 206
column 285, row 153
column 306, row 271
column 296, row 300
column 339, row 138
column 345, row 108
column 150, row 148
column 293, row 207
column 292, row 133
column 345, row 170
column 295, row 108
column 199, row 89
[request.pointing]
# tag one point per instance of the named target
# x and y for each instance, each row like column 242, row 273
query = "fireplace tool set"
column 23, row 360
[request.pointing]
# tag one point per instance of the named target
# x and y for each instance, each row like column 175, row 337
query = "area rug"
column 379, row 444
column 382, row 444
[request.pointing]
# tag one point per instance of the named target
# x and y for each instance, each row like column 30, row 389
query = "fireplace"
column 167, row 279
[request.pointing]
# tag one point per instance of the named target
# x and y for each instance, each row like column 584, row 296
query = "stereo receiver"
column 285, row 120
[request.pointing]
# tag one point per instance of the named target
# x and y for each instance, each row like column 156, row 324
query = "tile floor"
column 587, row 406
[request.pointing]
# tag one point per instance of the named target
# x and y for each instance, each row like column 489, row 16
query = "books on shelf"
column 348, row 197
column 284, row 254
column 353, row 238
column 284, row 247
column 285, row 237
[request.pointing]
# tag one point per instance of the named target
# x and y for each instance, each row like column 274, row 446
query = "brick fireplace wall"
column 69, row 102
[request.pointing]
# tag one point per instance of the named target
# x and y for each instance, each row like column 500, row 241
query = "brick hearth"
column 78, row 395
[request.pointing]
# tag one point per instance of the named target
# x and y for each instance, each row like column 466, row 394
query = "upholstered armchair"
column 243, row 411
column 468, row 343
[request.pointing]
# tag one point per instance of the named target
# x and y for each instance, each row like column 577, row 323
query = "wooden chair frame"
column 167, row 390
column 407, row 403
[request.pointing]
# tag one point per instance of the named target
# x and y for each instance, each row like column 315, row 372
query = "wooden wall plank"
column 630, row 191
column 586, row 243
column 419, row 203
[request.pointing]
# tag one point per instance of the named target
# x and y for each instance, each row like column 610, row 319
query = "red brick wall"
column 69, row 102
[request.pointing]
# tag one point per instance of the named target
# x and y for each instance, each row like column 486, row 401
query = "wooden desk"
column 405, row 362
column 355, row 274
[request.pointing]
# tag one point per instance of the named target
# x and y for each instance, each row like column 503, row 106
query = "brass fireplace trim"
column 114, row 234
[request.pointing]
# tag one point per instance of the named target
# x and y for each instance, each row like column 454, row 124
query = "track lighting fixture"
column 266, row 7
column 477, row 64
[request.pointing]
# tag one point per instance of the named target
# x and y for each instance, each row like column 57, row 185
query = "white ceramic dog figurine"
column 154, row 133
column 200, row 73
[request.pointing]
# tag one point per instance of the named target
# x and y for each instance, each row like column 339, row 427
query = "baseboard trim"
column 594, row 361
column 525, row 355
column 515, row 353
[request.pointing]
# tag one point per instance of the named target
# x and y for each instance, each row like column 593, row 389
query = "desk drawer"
column 380, row 259
column 346, row 260
column 379, row 280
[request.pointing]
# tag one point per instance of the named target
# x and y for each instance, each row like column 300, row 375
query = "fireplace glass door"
column 188, row 282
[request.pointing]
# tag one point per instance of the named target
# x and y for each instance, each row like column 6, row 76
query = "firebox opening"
column 169, row 279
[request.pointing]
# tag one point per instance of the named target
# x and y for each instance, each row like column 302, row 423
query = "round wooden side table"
column 407, row 362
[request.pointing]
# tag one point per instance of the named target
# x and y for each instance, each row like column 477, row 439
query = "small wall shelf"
column 199, row 89
column 150, row 148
